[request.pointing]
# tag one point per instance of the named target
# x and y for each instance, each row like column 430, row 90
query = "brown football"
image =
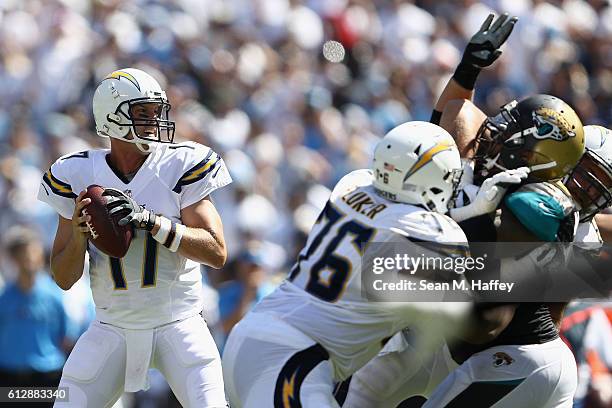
column 106, row 234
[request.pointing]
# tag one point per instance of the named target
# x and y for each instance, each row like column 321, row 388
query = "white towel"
column 139, row 347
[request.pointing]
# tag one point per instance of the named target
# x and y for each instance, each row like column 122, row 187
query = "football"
column 106, row 234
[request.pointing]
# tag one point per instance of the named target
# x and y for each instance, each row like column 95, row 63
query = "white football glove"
column 490, row 194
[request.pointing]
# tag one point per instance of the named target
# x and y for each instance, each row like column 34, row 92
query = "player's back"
column 322, row 296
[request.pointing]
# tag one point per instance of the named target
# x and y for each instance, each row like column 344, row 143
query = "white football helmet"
column 130, row 105
column 590, row 183
column 418, row 163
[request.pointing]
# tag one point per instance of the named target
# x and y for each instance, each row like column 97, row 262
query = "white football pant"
column 532, row 375
column 268, row 363
column 535, row 375
column 184, row 352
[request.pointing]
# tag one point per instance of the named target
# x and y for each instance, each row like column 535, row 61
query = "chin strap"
column 143, row 147
column 146, row 147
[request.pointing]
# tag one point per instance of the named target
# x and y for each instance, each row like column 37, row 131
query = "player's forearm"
column 68, row 264
column 462, row 119
column 481, row 51
column 203, row 246
column 604, row 223
column 453, row 91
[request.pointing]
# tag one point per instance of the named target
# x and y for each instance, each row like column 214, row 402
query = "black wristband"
column 435, row 117
column 466, row 75
column 151, row 221
column 171, row 235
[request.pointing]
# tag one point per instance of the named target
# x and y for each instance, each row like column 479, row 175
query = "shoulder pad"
column 56, row 187
column 59, row 176
column 556, row 190
column 540, row 213
column 197, row 161
column 352, row 181
column 558, row 184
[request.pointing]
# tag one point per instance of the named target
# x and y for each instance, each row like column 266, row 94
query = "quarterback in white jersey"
column 317, row 327
column 148, row 303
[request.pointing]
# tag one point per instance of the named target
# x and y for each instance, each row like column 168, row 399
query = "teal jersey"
column 541, row 208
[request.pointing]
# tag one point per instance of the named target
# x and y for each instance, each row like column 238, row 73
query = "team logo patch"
column 428, row 155
column 550, row 124
column 500, row 358
column 122, row 74
column 289, row 391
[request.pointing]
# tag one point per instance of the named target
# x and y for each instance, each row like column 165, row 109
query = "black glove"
column 119, row 203
column 483, row 49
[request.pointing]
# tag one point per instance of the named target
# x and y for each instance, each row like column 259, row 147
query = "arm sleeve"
column 440, row 235
column 207, row 174
column 435, row 117
column 55, row 190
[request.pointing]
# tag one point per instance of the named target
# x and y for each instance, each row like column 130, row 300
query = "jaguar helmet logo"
column 550, row 124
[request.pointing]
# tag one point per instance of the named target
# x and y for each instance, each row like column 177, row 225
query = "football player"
column 543, row 133
column 550, row 381
column 400, row 372
column 590, row 184
column 316, row 328
column 524, row 350
column 148, row 303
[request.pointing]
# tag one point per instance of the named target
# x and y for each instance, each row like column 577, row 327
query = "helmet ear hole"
column 435, row 190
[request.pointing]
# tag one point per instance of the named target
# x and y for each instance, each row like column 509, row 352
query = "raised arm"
column 482, row 50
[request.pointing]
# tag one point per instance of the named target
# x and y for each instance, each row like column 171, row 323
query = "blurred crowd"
column 250, row 79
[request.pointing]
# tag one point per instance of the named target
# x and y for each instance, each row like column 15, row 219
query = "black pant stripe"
column 293, row 373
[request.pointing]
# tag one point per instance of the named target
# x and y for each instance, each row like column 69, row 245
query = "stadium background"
column 249, row 79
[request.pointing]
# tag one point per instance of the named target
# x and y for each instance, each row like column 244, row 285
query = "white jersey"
column 151, row 285
column 322, row 295
column 588, row 232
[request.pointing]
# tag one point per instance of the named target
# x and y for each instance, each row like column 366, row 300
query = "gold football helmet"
column 540, row 132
